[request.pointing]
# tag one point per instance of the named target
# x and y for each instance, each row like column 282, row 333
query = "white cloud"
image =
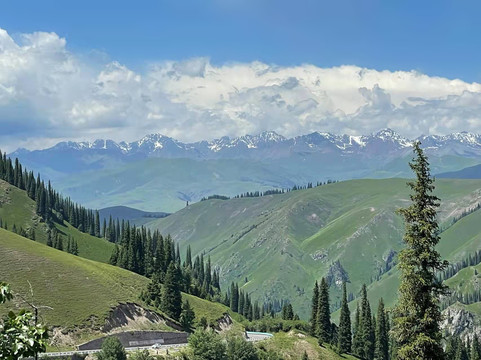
column 48, row 93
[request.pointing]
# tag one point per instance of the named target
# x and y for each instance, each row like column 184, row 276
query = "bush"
column 112, row 349
column 207, row 345
column 239, row 349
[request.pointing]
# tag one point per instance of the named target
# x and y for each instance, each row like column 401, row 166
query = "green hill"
column 80, row 293
column 277, row 246
column 16, row 208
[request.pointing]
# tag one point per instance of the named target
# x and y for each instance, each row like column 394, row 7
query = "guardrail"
column 87, row 352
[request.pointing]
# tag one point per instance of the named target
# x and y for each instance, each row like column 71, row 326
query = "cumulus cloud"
column 48, row 93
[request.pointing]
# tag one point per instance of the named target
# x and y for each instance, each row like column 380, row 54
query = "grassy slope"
column 80, row 291
column 293, row 344
column 272, row 241
column 17, row 208
column 462, row 238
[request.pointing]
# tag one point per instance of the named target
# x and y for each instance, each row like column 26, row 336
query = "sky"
column 198, row 70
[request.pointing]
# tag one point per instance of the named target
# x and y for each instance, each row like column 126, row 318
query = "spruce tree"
column 344, row 332
column 366, row 330
column 323, row 314
column 187, row 316
column 382, row 338
column 314, row 306
column 417, row 314
column 171, row 301
column 356, row 339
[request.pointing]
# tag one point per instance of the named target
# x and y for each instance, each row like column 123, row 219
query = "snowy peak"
column 269, row 144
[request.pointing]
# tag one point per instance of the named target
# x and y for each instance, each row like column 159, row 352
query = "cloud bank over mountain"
column 49, row 93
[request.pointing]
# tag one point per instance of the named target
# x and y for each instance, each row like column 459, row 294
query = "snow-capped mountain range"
column 272, row 145
column 159, row 173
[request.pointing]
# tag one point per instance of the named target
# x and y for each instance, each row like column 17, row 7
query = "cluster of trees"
column 158, row 258
column 215, row 196
column 29, row 234
column 50, row 204
column 241, row 303
column 367, row 339
column 463, row 214
column 151, row 254
column 454, row 268
column 250, row 194
column 207, row 345
column 456, row 349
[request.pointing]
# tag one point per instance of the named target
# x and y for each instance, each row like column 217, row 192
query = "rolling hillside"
column 67, row 283
column 277, row 246
column 16, row 208
column 471, row 172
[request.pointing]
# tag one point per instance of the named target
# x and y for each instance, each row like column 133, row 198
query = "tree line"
column 367, row 338
column 50, row 205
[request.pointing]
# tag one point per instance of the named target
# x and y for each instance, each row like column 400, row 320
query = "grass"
column 276, row 246
column 292, row 345
column 17, row 208
column 79, row 291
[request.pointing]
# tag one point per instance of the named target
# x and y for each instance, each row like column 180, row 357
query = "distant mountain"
column 128, row 213
column 472, row 172
column 160, row 173
column 277, row 246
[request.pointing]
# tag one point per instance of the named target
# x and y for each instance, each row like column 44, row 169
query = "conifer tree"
column 382, row 338
column 323, row 314
column 314, row 308
column 417, row 314
column 344, row 332
column 171, row 301
column 366, row 330
column 187, row 316
column 356, row 339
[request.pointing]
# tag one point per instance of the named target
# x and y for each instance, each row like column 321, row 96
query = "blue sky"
column 434, row 37
column 197, row 70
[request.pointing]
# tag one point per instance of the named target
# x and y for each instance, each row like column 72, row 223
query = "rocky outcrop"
column 134, row 316
column 461, row 322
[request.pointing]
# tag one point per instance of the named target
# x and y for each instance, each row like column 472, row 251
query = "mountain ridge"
column 156, row 144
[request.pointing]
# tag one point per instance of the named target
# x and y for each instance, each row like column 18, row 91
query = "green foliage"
column 239, row 349
column 171, row 302
column 207, row 345
column 187, row 316
column 112, row 349
column 382, row 337
column 323, row 314
column 19, row 335
column 417, row 315
column 314, row 308
column 141, row 355
column 344, row 333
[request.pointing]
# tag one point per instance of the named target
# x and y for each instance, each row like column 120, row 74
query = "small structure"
column 131, row 339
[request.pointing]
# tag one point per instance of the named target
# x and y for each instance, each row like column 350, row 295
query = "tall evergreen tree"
column 187, row 316
column 344, row 332
column 171, row 301
column 323, row 314
column 314, row 308
column 417, row 314
column 356, row 339
column 366, row 330
column 382, row 338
